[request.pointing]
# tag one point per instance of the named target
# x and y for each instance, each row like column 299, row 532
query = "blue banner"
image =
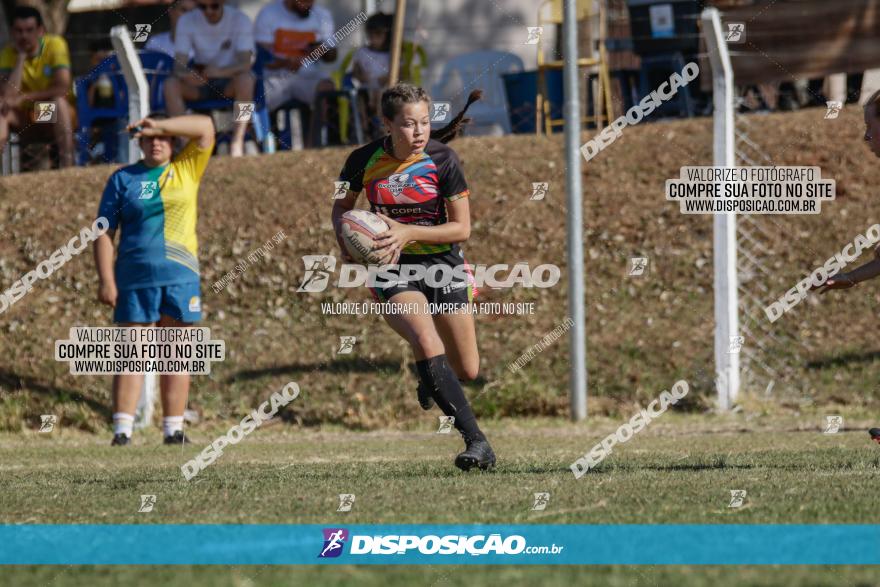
column 246, row 544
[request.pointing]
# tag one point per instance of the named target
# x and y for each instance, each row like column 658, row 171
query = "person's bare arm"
column 869, row 270
column 192, row 126
column 456, row 230
column 358, row 73
column 10, row 81
column 340, row 207
column 184, row 73
column 103, row 252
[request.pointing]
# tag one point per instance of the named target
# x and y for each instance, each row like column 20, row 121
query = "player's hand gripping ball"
column 359, row 228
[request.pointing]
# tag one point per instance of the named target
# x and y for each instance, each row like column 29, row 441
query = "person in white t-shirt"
column 164, row 42
column 370, row 66
column 295, row 31
column 222, row 43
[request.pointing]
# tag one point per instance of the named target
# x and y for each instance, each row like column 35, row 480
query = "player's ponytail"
column 457, row 124
column 396, row 96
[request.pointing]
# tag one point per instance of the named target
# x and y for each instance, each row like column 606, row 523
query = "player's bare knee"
column 427, row 343
column 469, row 371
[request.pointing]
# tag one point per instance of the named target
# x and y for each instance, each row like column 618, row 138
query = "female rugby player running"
column 871, row 269
column 416, row 184
column 156, row 277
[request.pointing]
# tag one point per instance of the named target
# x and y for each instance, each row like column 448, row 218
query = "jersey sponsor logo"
column 397, row 182
column 148, row 190
column 195, row 304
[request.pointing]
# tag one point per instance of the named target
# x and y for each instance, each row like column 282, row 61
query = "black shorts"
column 458, row 288
column 214, row 89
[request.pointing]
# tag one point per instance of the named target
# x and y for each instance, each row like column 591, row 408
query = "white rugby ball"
column 359, row 228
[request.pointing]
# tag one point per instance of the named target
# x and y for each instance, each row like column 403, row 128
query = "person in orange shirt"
column 35, row 83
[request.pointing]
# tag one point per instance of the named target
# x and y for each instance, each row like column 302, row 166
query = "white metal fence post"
column 724, row 226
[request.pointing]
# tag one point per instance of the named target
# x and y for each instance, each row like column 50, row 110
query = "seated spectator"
column 222, row 43
column 100, row 92
column 291, row 30
column 164, row 42
column 36, row 68
column 370, row 66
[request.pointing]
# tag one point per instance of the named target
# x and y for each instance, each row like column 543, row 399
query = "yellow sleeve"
column 57, row 53
column 192, row 160
column 7, row 58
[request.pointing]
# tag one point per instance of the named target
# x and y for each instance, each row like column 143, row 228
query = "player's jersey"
column 156, row 210
column 38, row 70
column 414, row 191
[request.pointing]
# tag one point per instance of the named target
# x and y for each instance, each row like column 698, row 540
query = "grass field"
column 642, row 333
column 679, row 470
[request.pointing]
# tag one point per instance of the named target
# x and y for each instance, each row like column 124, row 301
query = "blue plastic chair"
column 87, row 115
column 479, row 70
column 157, row 67
column 260, row 119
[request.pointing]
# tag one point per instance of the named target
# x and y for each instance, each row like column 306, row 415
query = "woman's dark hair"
column 395, row 97
column 381, row 23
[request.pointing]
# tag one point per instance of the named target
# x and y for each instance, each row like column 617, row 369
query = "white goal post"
column 727, row 370
column 138, row 107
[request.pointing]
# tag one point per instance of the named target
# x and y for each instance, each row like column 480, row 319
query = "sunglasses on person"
column 209, row 6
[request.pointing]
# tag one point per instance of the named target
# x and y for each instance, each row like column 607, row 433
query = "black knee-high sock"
column 436, row 374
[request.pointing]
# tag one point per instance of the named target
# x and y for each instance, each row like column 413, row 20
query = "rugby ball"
column 358, row 228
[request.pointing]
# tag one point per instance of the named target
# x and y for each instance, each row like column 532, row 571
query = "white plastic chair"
column 479, row 70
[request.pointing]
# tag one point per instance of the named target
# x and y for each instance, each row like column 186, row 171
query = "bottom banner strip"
column 246, row 544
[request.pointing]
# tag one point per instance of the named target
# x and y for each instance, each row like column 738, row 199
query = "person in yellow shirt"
column 35, row 83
